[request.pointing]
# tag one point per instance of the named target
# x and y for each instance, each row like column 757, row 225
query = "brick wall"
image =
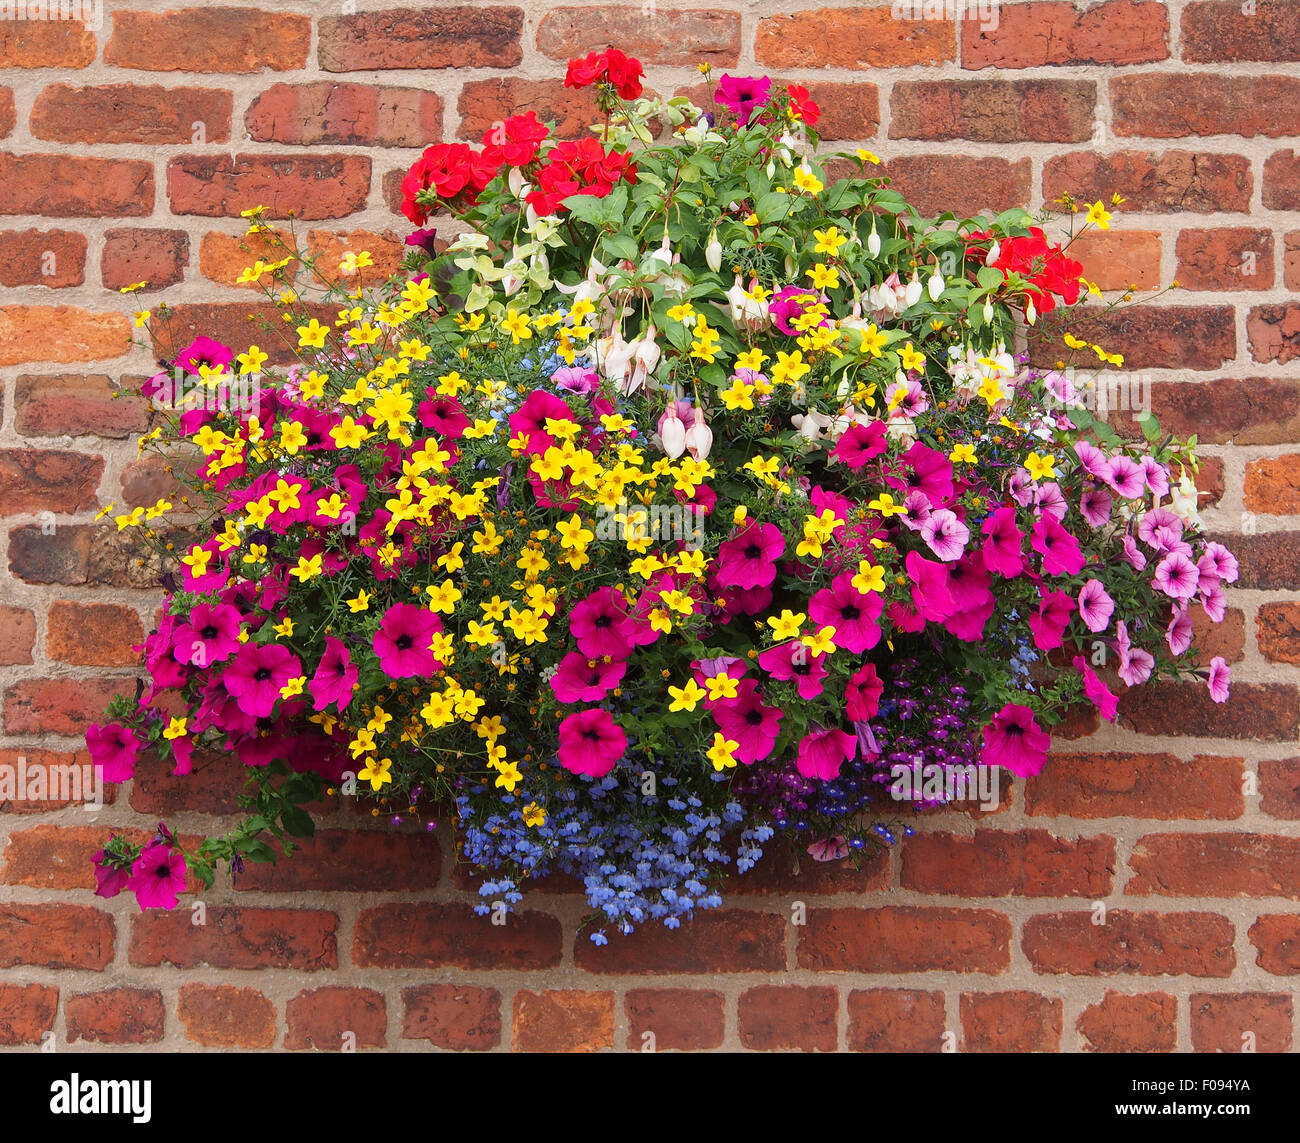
column 127, row 153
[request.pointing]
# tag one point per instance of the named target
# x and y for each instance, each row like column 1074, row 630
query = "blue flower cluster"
column 603, row 832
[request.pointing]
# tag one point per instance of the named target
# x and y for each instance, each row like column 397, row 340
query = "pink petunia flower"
column 335, row 676
column 1014, row 741
column 1094, row 506
column 862, row 694
column 1095, row 606
column 600, row 625
column 1098, row 693
column 402, row 642
column 1220, row 677
column 860, row 444
column 158, row 876
column 750, row 723
column 1051, row 620
column 1179, row 633
column 821, row 753
column 1059, row 549
column 580, row 679
column 210, row 636
column 1176, row 576
column 930, row 594
column 591, row 742
column 110, row 880
column 1002, row 543
column 749, row 558
column 793, row 662
column 114, row 749
column 1126, row 477
column 946, row 535
column 854, row 615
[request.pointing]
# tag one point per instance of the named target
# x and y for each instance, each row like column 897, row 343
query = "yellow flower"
column 807, row 181
column 361, row 602
column 1074, row 342
column 312, row 335
column 873, row 340
column 868, row 156
column 534, row 815
column 869, row 578
column 444, row 597
column 722, row 752
column 252, row 361
column 722, row 686
column 962, row 454
column 292, row 438
column 786, row 625
column 376, row 772
column 884, row 504
column 293, row 687
column 687, row 697
column 821, row 642
column 829, row 241
column 1098, row 214
column 517, row 325
column 175, row 729
column 824, row 277
column 1040, row 467
column 738, row 395
column 307, row 568
column 508, row 776
column 284, row 628
column 910, row 358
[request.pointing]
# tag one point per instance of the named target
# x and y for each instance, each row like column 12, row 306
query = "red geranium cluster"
column 611, row 66
column 1046, row 268
column 802, row 105
column 581, row 167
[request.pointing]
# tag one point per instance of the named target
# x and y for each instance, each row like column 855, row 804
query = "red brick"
column 1274, row 332
column 674, row 1019
column 236, row 324
column 213, row 787
column 1276, row 936
column 1119, row 259
column 1143, row 1022
column 454, row 1016
column 1291, row 260
column 453, row 36
column 1266, row 560
column 787, row 1018
column 146, row 481
column 905, row 939
column 668, row 36
column 1282, row 181
column 46, row 43
column 1030, row 863
column 76, row 405
column 157, row 257
column 17, row 635
column 452, row 935
column 298, row 186
column 562, row 1021
column 8, row 115
column 224, row 257
column 237, row 937
column 483, row 102
column 1010, row 1022
column 1161, row 182
column 1210, row 486
column 1226, row 1021
column 26, row 1012
column 56, row 936
column 58, row 706
column 1139, row 944
column 848, row 111
column 1279, row 787
column 1215, row 865
column 994, row 110
column 392, row 189
column 1272, row 485
column 857, row 38
column 329, row 1019
column 42, row 258
column 61, row 857
column 69, row 186
column 345, row 114
column 61, row 334
column 779, row 873
column 357, row 861
column 1118, row 784
column 387, row 252
column 222, row 1016
column 1242, row 105
column 237, row 40
column 39, row 557
column 1149, row 336
column 1225, row 30
column 732, row 941
column 129, row 113
column 1265, row 712
column 938, row 183
column 1231, row 258
column 895, row 1020
column 1060, row 34
column 1245, row 411
column 93, row 634
column 116, row 1016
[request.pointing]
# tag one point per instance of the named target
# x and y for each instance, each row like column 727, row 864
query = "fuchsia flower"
column 749, row 558
column 1126, row 477
column 530, row 419
column 335, row 676
column 1135, row 664
column 1050, row 500
column 792, row 661
column 1098, row 693
column 1220, row 677
column 1002, row 543
column 930, row 595
column 862, row 694
column 402, row 642
column 1092, row 460
column 821, row 753
column 580, row 679
column 578, row 380
column 211, row 635
column 1014, row 741
column 748, row 722
column 114, row 748
column 444, row 415
column 600, row 625
column 1095, row 606
column 1225, row 563
column 1156, row 475
column 591, row 742
column 854, row 615
column 257, row 675
column 1133, row 554
column 925, row 469
column 1060, row 550
column 110, row 880
column 158, row 876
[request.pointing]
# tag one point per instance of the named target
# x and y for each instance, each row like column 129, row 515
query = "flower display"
column 679, row 504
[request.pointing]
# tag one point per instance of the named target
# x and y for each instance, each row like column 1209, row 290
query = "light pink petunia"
column 1095, row 606
column 1176, row 576
column 1220, row 677
column 946, row 535
column 1179, row 634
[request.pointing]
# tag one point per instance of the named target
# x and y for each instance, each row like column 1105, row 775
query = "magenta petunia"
column 529, row 420
column 860, row 444
column 403, row 639
column 591, row 742
column 1095, row 606
column 1014, row 741
column 1126, row 477
column 444, row 415
column 1224, row 561
column 1049, row 500
column 114, row 749
column 923, row 468
column 862, row 694
column 600, row 625
column 792, row 662
column 1002, row 542
column 335, row 677
column 110, row 880
column 257, row 674
column 930, row 594
column 750, row 723
column 1048, row 624
column 158, row 876
column 1176, row 576
column 1094, row 506
column 210, row 636
column 749, row 558
column 855, row 615
column 1059, row 549
column 1133, row 554
column 1179, row 633
column 1098, row 693
column 579, row 679
column 743, row 95
column 821, row 753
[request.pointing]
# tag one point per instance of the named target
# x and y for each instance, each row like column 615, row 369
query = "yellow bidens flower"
column 1040, row 467
column 805, row 180
column 687, row 697
column 534, row 815
column 1099, row 215
column 723, row 751
column 376, row 772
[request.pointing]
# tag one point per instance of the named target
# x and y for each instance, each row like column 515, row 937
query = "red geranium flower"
column 620, row 71
column 804, row 107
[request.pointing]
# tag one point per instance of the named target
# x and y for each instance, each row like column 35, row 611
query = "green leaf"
column 297, row 822
column 621, row 246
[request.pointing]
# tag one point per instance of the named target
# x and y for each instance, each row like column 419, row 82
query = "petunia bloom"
column 821, row 753
column 1014, row 741
column 591, row 742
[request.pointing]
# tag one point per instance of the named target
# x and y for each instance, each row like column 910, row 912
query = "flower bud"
column 914, row 288
column 994, row 253
column 873, row 242
column 672, row 432
column 935, row 286
column 713, row 252
column 699, row 437
column 988, row 310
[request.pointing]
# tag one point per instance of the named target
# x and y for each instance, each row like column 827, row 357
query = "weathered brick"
column 1274, row 332
column 670, row 36
column 1291, row 260
column 70, row 186
column 450, row 36
column 905, row 939
column 857, row 38
column 483, row 102
column 224, row 257
column 61, row 334
column 895, row 1020
column 1230, row 258
column 1265, row 712
column 1148, row 336
column 992, row 863
column 1276, row 937
column 336, row 1019
column 93, row 634
column 1239, row 105
column 223, row 1016
column 1267, row 30
column 58, row 556
column 47, row 480
column 1060, row 34
column 788, row 1018
column 236, row 324
column 1119, row 259
column 298, row 186
column 1279, row 787
column 1139, row 944
column 674, row 1019
column 938, row 183
column 27, row 1012
column 454, row 1016
column 155, row 257
column 345, row 114
column 452, row 935
column 351, row 861
column 1215, row 865
column 46, row 43
column 1010, row 1022
column 49, row 780
column 1120, row 1022
column 237, row 937
column 994, row 110
column 562, row 1020
column 116, row 1016
column 56, row 936
column 74, row 405
column 1118, row 784
column 130, row 113
column 17, row 635
column 386, row 251
column 51, row 258
column 1161, row 182
column 1228, row 1022
column 1281, row 184
column 236, row 40
column 1265, row 560
column 733, row 941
